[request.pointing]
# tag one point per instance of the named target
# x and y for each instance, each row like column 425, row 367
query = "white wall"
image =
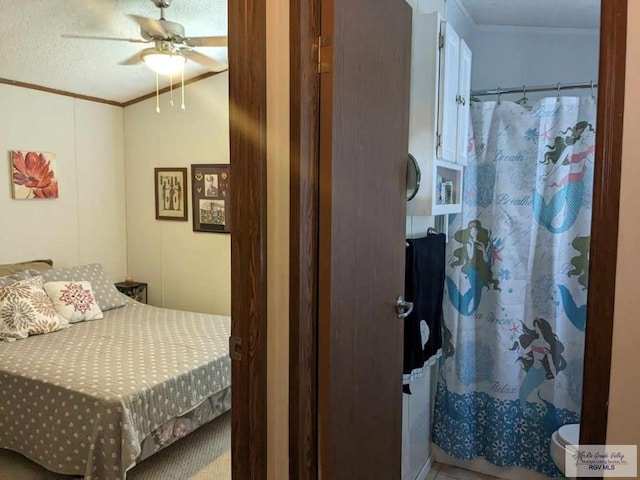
column 459, row 18
column 514, row 56
column 86, row 223
column 185, row 270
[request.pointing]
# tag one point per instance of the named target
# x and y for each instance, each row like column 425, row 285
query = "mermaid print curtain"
column 516, row 284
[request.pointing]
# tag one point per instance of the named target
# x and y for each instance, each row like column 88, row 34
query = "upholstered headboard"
column 39, row 265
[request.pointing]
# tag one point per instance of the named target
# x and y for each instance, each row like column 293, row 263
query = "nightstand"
column 135, row 290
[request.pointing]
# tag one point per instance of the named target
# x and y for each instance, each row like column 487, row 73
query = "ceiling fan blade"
column 89, row 37
column 151, row 25
column 133, row 59
column 205, row 41
column 211, row 63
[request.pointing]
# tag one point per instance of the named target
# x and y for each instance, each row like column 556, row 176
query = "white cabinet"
column 439, row 114
column 463, row 100
column 446, row 142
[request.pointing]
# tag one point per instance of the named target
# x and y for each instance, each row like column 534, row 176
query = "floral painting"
column 33, row 175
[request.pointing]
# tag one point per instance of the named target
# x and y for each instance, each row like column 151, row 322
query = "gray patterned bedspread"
column 80, row 401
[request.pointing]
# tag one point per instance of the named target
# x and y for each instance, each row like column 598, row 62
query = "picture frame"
column 210, row 187
column 171, row 193
column 33, row 175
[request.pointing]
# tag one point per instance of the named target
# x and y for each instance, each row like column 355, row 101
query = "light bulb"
column 165, row 63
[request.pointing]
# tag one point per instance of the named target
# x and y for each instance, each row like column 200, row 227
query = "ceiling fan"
column 172, row 48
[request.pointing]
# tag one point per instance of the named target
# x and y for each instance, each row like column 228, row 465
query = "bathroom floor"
column 440, row 471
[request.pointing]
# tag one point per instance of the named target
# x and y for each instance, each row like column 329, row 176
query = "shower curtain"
column 516, row 284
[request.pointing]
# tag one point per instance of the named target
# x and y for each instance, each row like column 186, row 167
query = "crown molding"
column 104, row 101
column 55, row 91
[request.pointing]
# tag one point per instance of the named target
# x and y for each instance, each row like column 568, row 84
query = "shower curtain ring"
column 593, row 95
column 499, row 94
column 558, row 97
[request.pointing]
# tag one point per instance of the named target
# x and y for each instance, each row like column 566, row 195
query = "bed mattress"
column 81, row 401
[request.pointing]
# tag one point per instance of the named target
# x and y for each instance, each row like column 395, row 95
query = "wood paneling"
column 604, row 229
column 303, row 307
column 247, row 116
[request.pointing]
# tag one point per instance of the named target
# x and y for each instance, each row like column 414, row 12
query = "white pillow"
column 104, row 290
column 73, row 301
column 25, row 309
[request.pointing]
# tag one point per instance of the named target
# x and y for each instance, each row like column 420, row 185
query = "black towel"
column 424, row 286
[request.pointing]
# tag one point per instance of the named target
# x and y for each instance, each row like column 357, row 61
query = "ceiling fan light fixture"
column 165, row 63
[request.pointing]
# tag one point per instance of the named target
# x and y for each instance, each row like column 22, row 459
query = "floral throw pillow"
column 104, row 290
column 26, row 309
column 74, row 301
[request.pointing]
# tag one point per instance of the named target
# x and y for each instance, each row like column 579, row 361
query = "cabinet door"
column 447, row 105
column 464, row 89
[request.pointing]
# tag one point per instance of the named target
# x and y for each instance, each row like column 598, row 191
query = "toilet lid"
column 569, row 434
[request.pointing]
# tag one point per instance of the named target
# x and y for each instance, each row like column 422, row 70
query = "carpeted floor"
column 203, row 455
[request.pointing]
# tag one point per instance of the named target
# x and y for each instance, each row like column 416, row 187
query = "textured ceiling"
column 32, row 50
column 535, row 13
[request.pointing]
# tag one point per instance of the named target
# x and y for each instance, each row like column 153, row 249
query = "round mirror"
column 413, row 177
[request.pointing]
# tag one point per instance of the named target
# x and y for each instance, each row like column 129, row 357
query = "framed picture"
column 171, row 193
column 210, row 189
column 33, row 175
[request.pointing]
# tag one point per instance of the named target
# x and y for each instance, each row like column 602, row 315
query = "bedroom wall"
column 86, row 223
column 184, row 269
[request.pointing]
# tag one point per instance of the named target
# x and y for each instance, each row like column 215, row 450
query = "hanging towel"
column 424, row 286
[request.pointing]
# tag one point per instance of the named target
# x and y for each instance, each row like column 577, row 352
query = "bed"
column 95, row 399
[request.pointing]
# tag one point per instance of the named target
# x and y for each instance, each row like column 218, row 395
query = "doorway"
column 247, row 146
column 602, row 251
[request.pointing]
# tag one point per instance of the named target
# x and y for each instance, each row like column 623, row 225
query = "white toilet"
column 560, row 442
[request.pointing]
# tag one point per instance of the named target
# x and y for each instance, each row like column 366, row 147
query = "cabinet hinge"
column 441, row 40
column 322, row 58
column 438, row 140
column 235, row 348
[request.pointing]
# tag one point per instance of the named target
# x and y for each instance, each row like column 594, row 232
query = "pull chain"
column 182, row 87
column 171, row 89
column 157, row 93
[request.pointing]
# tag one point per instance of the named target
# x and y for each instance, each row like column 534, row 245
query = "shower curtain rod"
column 538, row 88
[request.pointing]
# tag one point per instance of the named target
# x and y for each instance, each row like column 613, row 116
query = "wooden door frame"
column 248, row 172
column 304, row 109
column 303, row 241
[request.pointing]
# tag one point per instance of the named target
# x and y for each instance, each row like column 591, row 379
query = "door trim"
column 303, row 241
column 304, row 231
column 604, row 223
column 248, row 171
